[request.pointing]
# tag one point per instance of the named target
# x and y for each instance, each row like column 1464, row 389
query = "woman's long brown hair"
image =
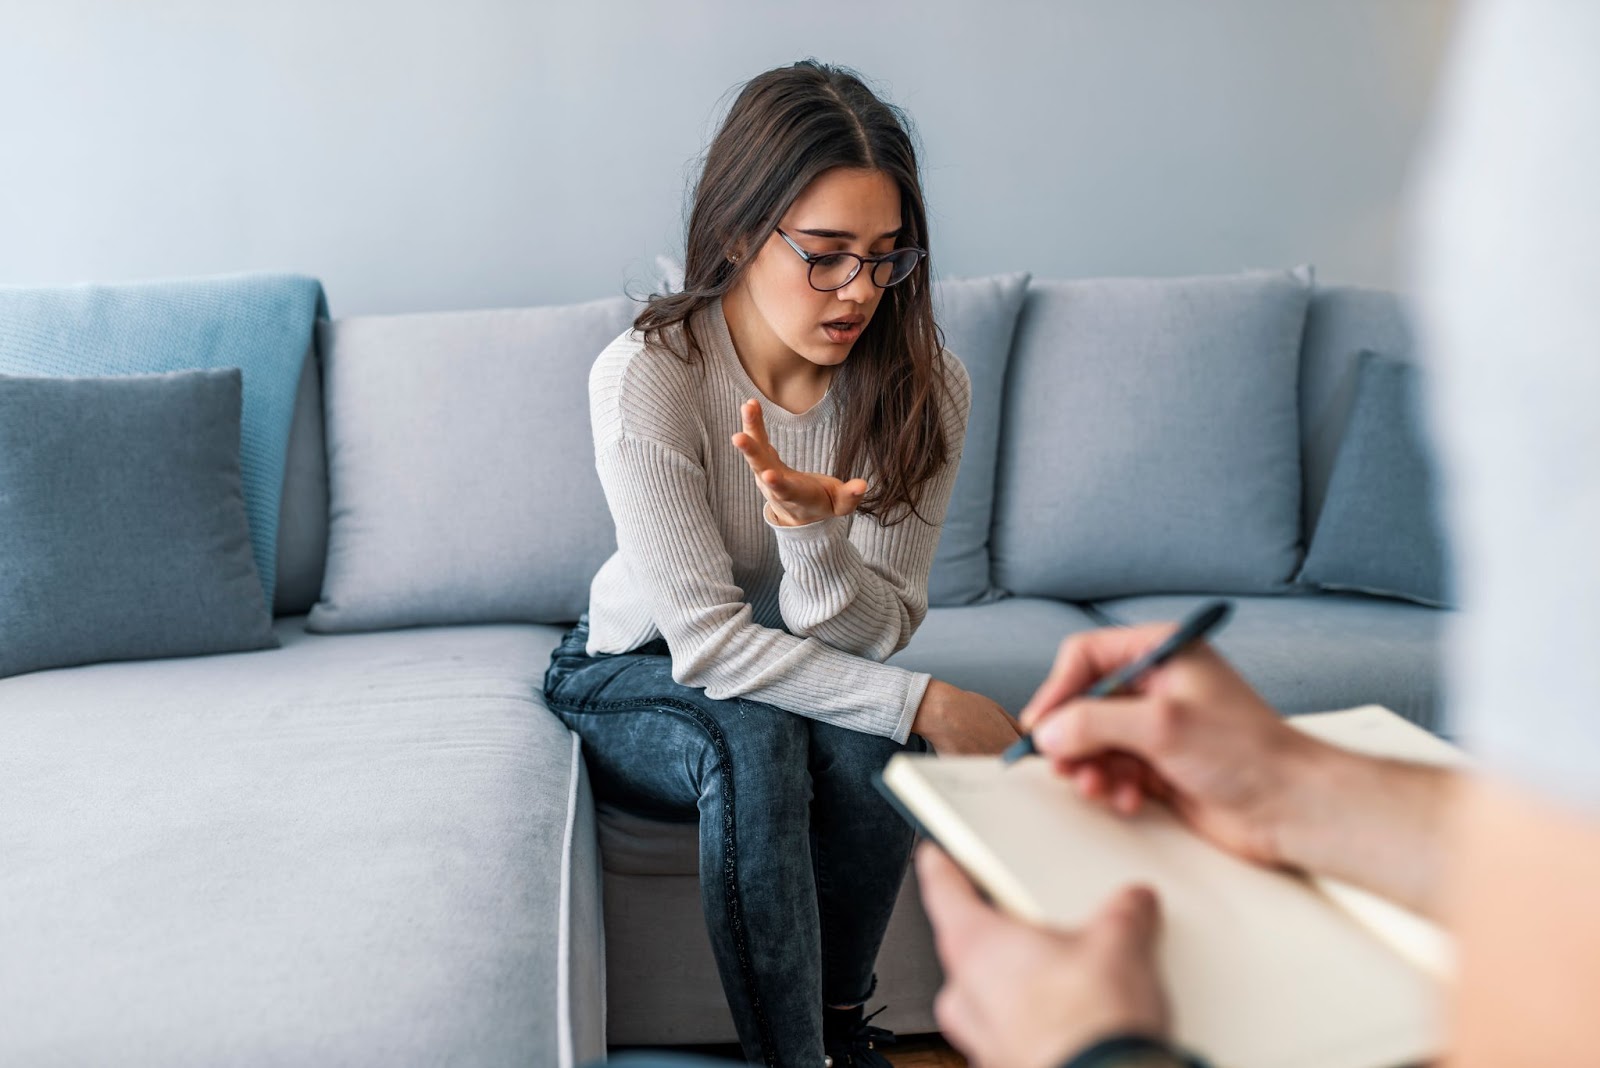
column 786, row 127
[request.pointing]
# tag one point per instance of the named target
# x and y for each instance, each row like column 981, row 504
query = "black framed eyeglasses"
column 828, row 271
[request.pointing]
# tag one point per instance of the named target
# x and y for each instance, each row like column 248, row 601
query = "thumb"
column 850, row 495
column 1130, row 920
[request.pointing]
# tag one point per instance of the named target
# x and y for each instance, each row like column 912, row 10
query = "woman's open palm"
column 794, row 497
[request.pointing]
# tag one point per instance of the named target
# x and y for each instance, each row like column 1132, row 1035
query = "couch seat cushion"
column 364, row 849
column 1321, row 652
column 1003, row 649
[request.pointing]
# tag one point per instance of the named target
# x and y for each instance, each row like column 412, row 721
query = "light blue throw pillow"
column 1380, row 531
column 123, row 531
column 1151, row 437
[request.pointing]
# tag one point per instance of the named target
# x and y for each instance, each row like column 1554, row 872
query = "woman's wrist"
column 932, row 708
column 782, row 519
column 933, row 714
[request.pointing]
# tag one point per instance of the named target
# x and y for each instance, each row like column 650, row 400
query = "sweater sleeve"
column 861, row 586
column 666, row 531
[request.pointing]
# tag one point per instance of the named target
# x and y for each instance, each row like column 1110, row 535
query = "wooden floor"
column 925, row 1051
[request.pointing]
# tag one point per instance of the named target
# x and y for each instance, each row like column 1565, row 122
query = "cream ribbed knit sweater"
column 796, row 617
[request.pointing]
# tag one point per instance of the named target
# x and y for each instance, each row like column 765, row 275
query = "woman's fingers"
column 755, row 423
column 777, row 483
column 817, row 494
column 753, row 456
column 752, row 440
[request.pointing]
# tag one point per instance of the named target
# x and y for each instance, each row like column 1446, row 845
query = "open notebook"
column 1266, row 970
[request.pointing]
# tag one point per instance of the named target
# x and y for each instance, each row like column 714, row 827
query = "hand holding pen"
column 1193, row 736
column 1203, row 622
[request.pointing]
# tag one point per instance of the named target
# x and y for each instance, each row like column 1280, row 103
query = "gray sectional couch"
column 375, row 845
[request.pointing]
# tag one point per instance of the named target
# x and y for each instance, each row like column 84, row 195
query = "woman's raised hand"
column 794, row 498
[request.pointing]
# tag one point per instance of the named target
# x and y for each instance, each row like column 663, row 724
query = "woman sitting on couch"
column 777, row 443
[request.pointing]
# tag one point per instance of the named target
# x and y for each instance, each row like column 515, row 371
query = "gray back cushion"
column 303, row 514
column 123, row 530
column 1150, row 438
column 461, row 478
column 979, row 319
column 1341, row 322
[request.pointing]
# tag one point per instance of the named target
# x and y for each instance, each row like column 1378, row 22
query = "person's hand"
column 956, row 721
column 1191, row 733
column 794, row 498
column 1019, row 996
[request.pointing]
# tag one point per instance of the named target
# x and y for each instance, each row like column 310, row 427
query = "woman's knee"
column 762, row 752
column 760, row 735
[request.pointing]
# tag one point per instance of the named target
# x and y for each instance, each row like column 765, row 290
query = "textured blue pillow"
column 1380, row 531
column 123, row 532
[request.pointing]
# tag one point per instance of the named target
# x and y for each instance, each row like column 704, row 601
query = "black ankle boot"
column 850, row 1040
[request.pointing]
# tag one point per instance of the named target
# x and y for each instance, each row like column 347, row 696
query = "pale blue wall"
column 494, row 152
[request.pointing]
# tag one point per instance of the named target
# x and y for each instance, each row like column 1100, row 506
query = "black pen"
column 1207, row 618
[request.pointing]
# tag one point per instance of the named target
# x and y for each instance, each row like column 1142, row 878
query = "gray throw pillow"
column 979, row 318
column 1150, row 437
column 1380, row 530
column 123, row 532
column 461, row 478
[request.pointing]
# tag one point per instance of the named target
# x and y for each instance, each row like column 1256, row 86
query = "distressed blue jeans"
column 801, row 858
